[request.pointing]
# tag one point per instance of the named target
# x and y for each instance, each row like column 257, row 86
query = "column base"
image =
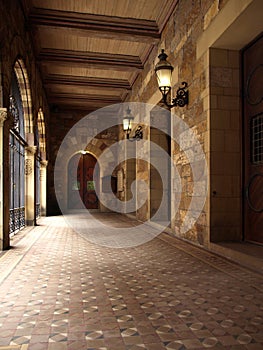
column 30, row 223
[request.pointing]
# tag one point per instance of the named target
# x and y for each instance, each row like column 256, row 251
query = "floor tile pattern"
column 63, row 292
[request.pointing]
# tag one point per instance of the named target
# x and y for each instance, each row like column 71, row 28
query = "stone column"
column 30, row 185
column 3, row 117
column 43, row 187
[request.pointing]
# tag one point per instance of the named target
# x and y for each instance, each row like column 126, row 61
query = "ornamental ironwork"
column 13, row 110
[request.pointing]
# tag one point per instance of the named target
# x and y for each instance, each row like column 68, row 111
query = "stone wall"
column 15, row 42
column 201, row 45
column 60, row 123
column 213, row 115
column 76, row 131
column 179, row 38
column 225, row 145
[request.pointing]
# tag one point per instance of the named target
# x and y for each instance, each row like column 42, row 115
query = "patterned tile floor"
column 59, row 291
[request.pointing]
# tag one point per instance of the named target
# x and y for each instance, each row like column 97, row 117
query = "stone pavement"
column 60, row 291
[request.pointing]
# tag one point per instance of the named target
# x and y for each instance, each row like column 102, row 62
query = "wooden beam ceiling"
column 97, row 25
column 88, row 103
column 90, row 59
column 87, row 81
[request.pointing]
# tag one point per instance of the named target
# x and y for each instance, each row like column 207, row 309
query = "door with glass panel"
column 253, row 141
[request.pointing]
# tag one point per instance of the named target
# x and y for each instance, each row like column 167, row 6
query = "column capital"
column 3, row 116
column 44, row 163
column 31, row 149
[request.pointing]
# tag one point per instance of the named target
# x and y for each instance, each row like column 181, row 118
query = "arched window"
column 21, row 131
column 41, row 133
column 17, row 145
column 41, row 155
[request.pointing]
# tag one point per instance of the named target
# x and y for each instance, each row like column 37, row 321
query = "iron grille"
column 257, row 139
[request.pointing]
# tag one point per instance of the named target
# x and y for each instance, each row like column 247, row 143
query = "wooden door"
column 253, row 141
column 81, row 188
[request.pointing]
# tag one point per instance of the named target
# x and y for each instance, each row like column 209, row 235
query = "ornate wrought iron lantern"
column 127, row 127
column 163, row 70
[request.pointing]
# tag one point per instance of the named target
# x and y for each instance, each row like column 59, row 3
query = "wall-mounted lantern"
column 163, row 70
column 127, row 127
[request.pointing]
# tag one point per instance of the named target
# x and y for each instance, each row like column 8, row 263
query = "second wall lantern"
column 127, row 127
column 163, row 70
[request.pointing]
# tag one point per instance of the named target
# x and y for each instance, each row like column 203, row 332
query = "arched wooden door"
column 253, row 141
column 81, row 189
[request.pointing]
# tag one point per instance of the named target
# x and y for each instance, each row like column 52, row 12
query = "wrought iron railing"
column 16, row 220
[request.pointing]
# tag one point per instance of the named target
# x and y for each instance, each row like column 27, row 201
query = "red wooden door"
column 253, row 141
column 81, row 188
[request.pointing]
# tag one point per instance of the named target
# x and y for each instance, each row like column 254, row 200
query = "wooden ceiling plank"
column 97, row 25
column 87, row 81
column 85, row 97
column 90, row 59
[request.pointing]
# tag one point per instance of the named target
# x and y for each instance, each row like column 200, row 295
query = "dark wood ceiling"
column 90, row 52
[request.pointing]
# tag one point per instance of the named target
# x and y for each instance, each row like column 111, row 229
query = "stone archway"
column 22, row 152
column 41, row 166
column 83, row 182
column 95, row 147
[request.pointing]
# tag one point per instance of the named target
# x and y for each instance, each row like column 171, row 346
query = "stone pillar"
column 3, row 117
column 43, row 187
column 30, row 185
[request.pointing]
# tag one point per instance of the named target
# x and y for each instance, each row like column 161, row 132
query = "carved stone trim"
column 28, row 167
column 31, row 149
column 3, row 116
column 43, row 163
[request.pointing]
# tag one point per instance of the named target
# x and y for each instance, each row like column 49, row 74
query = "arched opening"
column 25, row 95
column 17, row 145
column 41, row 130
column 21, row 208
column 40, row 166
column 83, row 181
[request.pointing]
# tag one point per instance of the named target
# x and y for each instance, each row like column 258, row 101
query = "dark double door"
column 253, row 141
column 83, row 179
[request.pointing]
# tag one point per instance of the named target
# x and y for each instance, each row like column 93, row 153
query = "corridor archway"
column 83, row 181
column 17, row 145
column 41, row 165
column 21, row 145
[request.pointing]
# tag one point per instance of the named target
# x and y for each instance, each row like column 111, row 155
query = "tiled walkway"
column 59, row 291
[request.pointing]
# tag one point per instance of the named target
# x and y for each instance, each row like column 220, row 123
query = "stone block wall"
column 75, row 133
column 213, row 115
column 60, row 123
column 225, row 145
column 189, row 20
column 15, row 42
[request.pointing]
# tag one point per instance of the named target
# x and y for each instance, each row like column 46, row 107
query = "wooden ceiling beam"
column 105, row 83
column 87, row 98
column 97, row 25
column 90, row 59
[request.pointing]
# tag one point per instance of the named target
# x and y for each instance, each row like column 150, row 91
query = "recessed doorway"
column 83, row 185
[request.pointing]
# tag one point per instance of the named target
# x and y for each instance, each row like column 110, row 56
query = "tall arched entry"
column 81, row 188
column 17, row 152
column 21, row 152
column 17, row 145
column 41, row 165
